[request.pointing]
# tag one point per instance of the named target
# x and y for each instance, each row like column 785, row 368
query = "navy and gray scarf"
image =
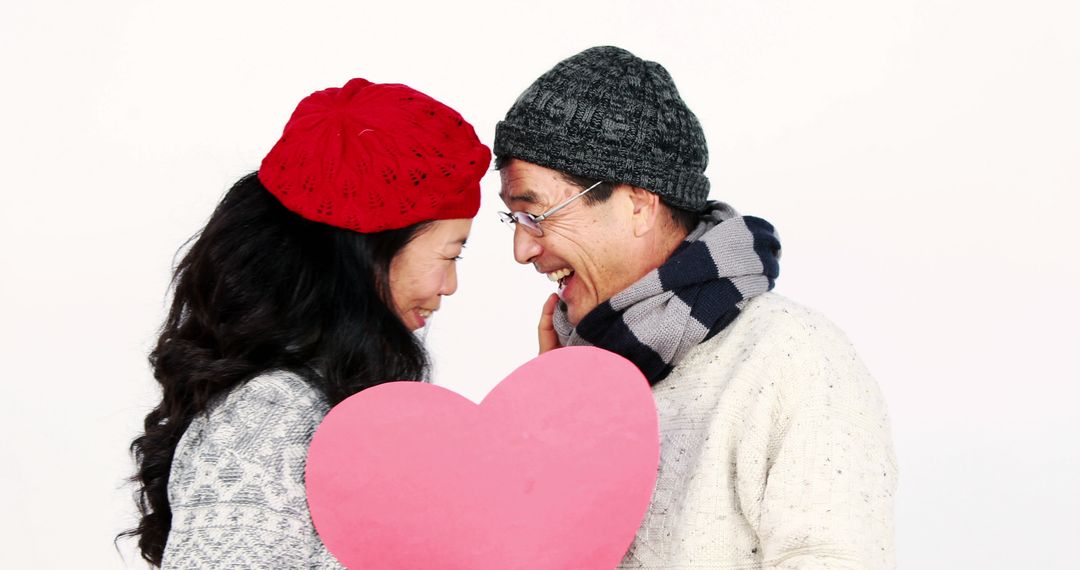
column 697, row 292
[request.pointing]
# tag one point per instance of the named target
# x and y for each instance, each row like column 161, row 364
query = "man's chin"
column 574, row 313
column 577, row 308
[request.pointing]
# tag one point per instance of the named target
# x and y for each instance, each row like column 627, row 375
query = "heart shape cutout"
column 554, row 469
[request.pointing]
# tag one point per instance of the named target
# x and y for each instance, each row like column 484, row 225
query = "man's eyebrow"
column 527, row 196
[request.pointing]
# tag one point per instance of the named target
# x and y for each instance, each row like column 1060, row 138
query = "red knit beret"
column 371, row 157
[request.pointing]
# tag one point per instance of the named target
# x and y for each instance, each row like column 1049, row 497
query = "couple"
column 308, row 280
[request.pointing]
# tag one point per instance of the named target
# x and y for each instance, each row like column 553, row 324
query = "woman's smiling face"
column 425, row 270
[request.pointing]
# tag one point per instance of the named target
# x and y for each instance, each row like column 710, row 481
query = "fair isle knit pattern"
column 726, row 260
column 236, row 488
column 775, row 452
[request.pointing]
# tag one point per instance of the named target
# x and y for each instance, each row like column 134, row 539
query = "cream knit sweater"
column 775, row 452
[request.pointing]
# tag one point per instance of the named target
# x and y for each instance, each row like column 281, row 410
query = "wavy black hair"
column 261, row 289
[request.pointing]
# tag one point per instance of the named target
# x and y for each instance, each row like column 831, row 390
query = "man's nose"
column 526, row 246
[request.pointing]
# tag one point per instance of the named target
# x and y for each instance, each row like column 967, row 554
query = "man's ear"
column 646, row 210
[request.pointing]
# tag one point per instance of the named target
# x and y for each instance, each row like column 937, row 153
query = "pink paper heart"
column 553, row 470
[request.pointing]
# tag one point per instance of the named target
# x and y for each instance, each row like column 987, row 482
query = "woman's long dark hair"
column 261, row 289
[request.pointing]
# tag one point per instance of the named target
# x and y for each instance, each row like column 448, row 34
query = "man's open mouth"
column 560, row 276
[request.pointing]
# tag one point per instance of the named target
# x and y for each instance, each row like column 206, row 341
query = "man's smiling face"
column 583, row 248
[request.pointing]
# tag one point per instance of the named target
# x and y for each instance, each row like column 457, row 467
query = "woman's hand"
column 546, row 331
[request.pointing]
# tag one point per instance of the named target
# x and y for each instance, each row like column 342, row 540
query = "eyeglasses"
column 531, row 222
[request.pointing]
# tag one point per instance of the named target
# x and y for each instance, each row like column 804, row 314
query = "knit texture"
column 236, row 488
column 370, row 157
column 610, row 115
column 775, row 452
column 698, row 291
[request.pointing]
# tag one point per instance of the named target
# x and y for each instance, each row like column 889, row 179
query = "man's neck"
column 664, row 244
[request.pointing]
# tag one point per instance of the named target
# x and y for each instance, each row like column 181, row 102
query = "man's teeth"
column 560, row 274
column 424, row 313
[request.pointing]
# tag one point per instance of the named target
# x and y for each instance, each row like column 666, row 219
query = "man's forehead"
column 519, row 189
column 528, row 188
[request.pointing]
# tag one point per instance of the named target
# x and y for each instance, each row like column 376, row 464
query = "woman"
column 303, row 289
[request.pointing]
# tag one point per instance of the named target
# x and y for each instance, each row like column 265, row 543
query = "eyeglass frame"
column 511, row 218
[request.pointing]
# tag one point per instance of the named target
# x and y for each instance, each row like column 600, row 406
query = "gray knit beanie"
column 607, row 114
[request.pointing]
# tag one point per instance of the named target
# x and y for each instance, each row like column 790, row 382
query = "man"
column 775, row 444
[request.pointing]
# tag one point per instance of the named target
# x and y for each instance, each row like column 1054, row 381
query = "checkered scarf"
column 699, row 290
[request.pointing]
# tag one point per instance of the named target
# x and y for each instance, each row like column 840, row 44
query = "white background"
column 920, row 159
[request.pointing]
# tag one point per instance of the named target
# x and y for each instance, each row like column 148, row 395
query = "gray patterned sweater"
column 236, row 488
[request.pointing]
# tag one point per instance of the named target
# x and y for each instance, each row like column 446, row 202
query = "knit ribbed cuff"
column 687, row 190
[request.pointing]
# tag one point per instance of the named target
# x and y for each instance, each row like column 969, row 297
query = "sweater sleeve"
column 825, row 497
column 237, row 484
